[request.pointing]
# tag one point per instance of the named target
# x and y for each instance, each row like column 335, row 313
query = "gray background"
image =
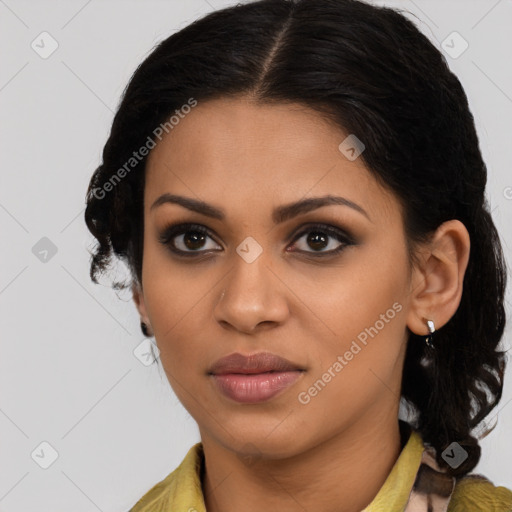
column 68, row 372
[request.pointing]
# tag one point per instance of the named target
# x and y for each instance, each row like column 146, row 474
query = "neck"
column 344, row 473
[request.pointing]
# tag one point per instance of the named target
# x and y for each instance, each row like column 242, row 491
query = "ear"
column 436, row 284
column 138, row 298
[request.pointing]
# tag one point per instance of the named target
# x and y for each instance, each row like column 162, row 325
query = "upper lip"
column 255, row 363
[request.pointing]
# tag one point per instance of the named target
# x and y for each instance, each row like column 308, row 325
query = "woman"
column 298, row 190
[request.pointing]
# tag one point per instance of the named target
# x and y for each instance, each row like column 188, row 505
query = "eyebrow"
column 279, row 215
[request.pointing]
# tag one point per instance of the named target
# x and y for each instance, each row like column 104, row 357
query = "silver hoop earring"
column 429, row 338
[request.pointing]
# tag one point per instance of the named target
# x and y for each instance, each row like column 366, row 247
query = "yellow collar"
column 181, row 490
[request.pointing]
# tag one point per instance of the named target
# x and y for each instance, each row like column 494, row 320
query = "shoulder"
column 156, row 498
column 179, row 490
column 476, row 493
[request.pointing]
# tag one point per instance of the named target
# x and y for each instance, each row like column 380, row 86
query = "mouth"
column 253, row 388
column 263, row 362
column 253, row 378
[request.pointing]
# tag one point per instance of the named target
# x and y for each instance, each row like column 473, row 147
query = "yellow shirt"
column 181, row 490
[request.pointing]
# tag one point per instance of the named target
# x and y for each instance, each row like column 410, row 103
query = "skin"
column 335, row 452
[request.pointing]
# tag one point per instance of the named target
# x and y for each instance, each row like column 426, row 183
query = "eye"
column 187, row 239
column 318, row 239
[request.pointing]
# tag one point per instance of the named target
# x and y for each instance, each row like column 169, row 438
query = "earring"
column 144, row 329
column 429, row 337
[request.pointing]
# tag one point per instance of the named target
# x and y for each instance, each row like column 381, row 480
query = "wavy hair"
column 373, row 73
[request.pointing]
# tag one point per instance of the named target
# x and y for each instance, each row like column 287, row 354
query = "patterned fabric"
column 432, row 488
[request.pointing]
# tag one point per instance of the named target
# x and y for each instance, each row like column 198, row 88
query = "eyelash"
column 173, row 230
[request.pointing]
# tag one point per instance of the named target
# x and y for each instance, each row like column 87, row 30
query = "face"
column 327, row 289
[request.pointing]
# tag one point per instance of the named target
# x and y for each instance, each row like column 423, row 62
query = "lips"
column 262, row 362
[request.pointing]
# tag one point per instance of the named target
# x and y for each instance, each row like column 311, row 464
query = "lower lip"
column 256, row 387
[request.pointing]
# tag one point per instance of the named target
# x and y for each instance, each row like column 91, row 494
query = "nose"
column 254, row 297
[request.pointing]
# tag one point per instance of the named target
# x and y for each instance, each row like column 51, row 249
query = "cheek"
column 363, row 295
column 364, row 311
column 168, row 293
column 178, row 307
column 360, row 369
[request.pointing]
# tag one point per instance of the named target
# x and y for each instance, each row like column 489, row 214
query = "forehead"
column 234, row 151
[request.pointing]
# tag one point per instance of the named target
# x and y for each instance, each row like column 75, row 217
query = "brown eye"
column 318, row 238
column 185, row 238
column 193, row 240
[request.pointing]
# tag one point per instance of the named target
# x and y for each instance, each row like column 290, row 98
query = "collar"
column 415, row 483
